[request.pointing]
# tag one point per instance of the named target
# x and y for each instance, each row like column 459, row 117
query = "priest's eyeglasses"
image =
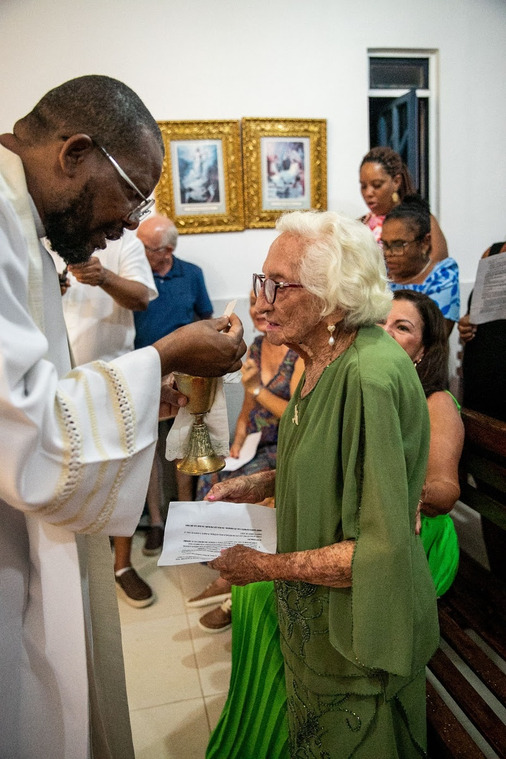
column 270, row 287
column 140, row 211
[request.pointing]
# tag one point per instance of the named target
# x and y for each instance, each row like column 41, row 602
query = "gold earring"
column 331, row 328
column 395, row 197
column 417, row 361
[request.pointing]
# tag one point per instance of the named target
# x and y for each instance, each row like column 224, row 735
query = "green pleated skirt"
column 253, row 724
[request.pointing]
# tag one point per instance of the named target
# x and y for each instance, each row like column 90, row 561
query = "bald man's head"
column 158, row 231
column 159, row 236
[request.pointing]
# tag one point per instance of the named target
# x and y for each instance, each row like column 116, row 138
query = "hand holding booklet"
column 197, row 531
column 247, row 453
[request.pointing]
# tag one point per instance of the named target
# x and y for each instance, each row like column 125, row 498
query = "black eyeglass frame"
column 140, row 211
column 270, row 287
column 399, row 245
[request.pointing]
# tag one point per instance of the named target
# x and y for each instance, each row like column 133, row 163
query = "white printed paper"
column 247, row 453
column 197, row 531
column 489, row 294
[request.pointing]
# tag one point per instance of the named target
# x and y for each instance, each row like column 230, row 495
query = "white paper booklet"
column 489, row 294
column 197, row 531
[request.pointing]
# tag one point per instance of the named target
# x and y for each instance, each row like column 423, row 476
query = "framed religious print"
column 200, row 188
column 285, row 168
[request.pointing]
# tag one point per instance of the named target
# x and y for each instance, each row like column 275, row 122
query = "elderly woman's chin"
column 274, row 334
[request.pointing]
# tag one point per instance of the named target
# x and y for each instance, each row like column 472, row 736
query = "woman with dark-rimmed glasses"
column 405, row 240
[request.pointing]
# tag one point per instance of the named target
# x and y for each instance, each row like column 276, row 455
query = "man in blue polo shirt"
column 182, row 294
column 182, row 298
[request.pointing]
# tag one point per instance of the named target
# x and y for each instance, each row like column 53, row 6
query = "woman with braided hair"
column 385, row 181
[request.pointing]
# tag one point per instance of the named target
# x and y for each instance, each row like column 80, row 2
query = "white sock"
column 122, row 571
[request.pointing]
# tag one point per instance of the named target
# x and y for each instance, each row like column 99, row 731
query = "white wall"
column 283, row 58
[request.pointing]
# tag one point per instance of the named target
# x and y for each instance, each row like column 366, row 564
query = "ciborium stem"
column 200, row 457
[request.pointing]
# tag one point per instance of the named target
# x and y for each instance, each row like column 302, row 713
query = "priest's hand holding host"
column 203, row 348
column 206, row 351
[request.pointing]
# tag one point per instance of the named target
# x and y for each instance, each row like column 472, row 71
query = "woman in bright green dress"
column 355, row 600
column 418, row 325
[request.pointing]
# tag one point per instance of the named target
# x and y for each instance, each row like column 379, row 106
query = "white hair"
column 170, row 235
column 342, row 265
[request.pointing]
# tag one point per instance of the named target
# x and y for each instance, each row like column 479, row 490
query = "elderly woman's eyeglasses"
column 397, row 247
column 270, row 287
column 140, row 211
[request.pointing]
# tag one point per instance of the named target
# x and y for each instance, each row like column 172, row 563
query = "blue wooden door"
column 397, row 127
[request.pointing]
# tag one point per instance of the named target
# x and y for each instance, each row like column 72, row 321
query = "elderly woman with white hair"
column 355, row 600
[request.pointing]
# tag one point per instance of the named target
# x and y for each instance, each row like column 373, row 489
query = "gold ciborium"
column 200, row 457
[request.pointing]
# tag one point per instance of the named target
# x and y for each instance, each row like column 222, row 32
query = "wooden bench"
column 472, row 616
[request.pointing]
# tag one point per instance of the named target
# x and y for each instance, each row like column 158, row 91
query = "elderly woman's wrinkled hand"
column 241, row 565
column 235, row 490
column 253, row 488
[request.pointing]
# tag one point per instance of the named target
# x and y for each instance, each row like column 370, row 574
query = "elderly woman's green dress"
column 351, row 463
column 352, row 458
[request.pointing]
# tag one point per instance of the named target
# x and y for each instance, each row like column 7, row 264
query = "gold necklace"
column 342, row 347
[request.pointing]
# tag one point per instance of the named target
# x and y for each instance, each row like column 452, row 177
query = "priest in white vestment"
column 76, row 445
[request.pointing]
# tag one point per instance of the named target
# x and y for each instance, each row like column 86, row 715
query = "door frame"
column 431, row 95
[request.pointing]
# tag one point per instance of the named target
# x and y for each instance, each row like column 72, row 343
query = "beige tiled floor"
column 177, row 674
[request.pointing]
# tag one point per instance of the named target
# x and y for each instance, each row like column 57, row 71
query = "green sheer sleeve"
column 391, row 604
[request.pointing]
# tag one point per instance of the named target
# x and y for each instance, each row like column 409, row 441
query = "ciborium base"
column 201, row 458
column 201, row 464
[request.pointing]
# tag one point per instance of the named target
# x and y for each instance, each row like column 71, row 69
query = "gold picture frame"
column 200, row 187
column 285, row 167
